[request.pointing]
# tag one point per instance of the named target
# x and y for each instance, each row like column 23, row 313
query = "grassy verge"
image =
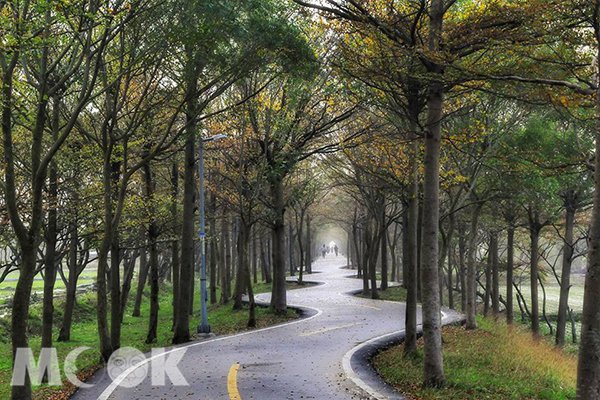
column 495, row 362
column 222, row 318
column 396, row 293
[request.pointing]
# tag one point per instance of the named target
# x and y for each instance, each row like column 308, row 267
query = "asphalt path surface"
column 298, row 360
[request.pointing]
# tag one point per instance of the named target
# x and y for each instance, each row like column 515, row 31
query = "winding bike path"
column 305, row 359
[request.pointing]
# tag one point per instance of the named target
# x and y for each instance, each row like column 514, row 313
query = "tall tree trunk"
column 212, row 237
column 565, row 281
column 175, row 264
column 65, row 330
column 462, row 270
column 152, row 233
column 254, row 257
column 278, row 294
column 226, row 292
column 495, row 275
column 182, row 320
column 102, row 269
column 373, row 253
column 308, row 256
column 450, row 248
column 242, row 282
column 442, row 251
column 534, row 235
column 471, row 284
column 433, row 358
column 488, row 281
column 510, row 240
column 115, row 267
column 419, row 247
column 411, row 230
column 393, row 245
column 50, row 260
column 384, row 252
column 291, row 249
column 129, row 264
column 365, row 260
column 195, row 257
column 300, row 233
column 243, row 273
column 142, row 279
column 405, row 250
column 266, row 270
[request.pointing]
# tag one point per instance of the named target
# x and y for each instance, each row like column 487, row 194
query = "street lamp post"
column 203, row 327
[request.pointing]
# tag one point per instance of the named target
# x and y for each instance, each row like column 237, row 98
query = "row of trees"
column 103, row 109
column 415, row 110
column 458, row 68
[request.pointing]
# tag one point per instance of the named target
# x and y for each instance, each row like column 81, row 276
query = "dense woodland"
column 453, row 141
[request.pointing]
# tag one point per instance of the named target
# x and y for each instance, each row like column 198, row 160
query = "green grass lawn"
column 395, row 293
column 222, row 318
column 495, row 362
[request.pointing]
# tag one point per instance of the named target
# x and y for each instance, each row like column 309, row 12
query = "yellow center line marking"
column 327, row 329
column 232, row 389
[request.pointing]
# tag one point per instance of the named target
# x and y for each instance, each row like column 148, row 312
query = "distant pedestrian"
column 323, row 250
column 335, row 248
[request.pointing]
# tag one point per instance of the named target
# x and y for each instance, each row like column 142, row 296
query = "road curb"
column 358, row 367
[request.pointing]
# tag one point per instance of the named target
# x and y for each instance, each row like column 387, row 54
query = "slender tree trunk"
column 175, row 264
column 393, row 245
column 442, row 251
column 129, row 264
column 19, row 310
column 241, row 284
column 373, row 253
column 405, row 250
column 565, row 281
column 50, row 259
column 534, row 235
column 278, row 295
column 195, row 257
column 419, row 248
column 182, row 320
column 102, row 270
column 291, row 248
column 365, row 260
column 141, row 284
column 471, row 284
column 495, row 276
column 212, row 237
column 153, row 267
column 254, row 257
column 308, row 256
column 152, row 233
column 411, row 231
column 488, row 281
column 450, row 248
column 462, row 268
column 115, row 267
column 300, row 233
column 384, row 253
column 433, row 358
column 244, row 268
column 71, row 290
column 510, row 248
column 266, row 271
column 227, row 255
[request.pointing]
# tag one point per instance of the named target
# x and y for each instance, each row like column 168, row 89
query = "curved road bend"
column 300, row 360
